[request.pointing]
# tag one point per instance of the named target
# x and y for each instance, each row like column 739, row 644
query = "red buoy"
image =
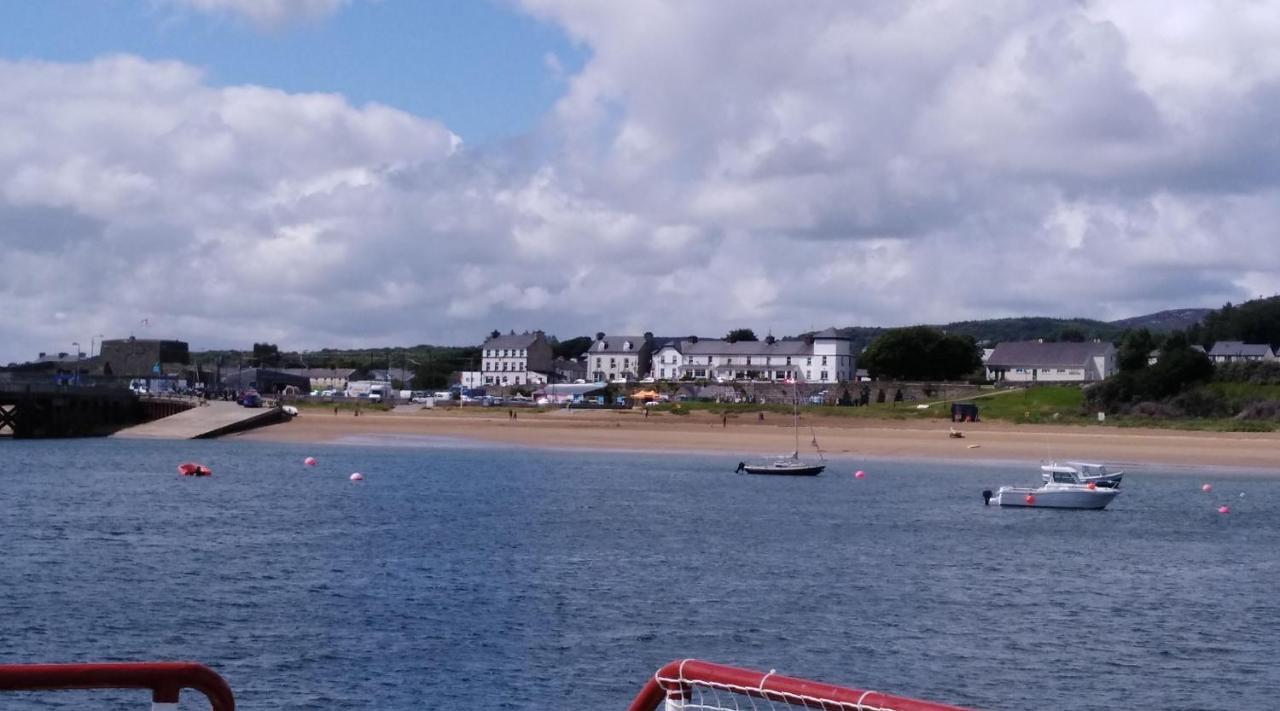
column 357, row 477
column 1091, row 486
column 1223, row 510
column 1029, row 499
column 309, row 461
column 1206, row 488
column 859, row 474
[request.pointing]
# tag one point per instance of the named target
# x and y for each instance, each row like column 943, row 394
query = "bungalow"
column 1237, row 351
column 1040, row 362
column 335, row 379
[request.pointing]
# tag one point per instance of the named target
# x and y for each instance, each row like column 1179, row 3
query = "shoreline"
column 744, row 437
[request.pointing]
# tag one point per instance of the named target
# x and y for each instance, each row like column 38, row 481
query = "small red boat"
column 193, row 469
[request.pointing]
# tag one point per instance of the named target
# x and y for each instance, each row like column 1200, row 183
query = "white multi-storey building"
column 824, row 357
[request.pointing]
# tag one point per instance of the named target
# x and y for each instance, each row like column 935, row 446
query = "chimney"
column 41, row 354
column 599, row 335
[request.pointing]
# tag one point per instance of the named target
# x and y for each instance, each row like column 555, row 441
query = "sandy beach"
column 746, row 435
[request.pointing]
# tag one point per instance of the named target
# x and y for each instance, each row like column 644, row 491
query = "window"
column 808, row 374
column 824, row 360
column 662, row 373
column 788, row 360
column 808, row 361
column 748, row 360
column 824, row 375
column 728, row 361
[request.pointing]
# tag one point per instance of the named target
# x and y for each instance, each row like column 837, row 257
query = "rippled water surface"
column 507, row 578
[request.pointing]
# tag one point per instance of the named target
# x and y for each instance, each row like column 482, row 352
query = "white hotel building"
column 826, row 357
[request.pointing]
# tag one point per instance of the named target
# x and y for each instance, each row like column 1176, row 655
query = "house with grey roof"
column 1239, row 352
column 613, row 358
column 823, row 357
column 1040, row 362
column 516, row 359
column 325, row 378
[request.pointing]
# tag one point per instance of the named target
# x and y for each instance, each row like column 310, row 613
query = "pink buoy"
column 1091, row 486
column 859, row 474
column 1223, row 510
column 309, row 461
column 1206, row 488
column 357, row 477
column 1031, row 500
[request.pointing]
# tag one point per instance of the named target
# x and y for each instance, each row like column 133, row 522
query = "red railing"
column 679, row 680
column 166, row 680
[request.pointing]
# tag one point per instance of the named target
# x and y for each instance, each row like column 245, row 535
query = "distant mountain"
column 1027, row 328
column 1164, row 321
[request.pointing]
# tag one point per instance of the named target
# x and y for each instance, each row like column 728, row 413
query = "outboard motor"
column 741, row 467
column 986, row 497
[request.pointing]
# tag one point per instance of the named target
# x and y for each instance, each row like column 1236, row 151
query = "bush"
column 1261, row 410
column 1201, row 402
column 1251, row 372
column 1149, row 408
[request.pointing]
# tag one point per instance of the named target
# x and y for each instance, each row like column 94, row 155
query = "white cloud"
column 265, row 14
column 712, row 165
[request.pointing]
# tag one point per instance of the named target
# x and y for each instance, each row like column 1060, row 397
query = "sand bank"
column 746, row 435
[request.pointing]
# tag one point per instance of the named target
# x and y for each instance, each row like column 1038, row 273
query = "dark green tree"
column 265, row 355
column 1135, row 348
column 1072, row 334
column 571, row 348
column 741, row 334
column 921, row 353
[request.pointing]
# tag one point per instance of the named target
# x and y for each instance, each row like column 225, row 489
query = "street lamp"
column 77, row 366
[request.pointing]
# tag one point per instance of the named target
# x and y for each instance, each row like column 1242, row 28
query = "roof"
column 343, row 373
column 616, row 344
column 831, row 333
column 1240, row 349
column 1043, row 355
column 742, row 348
column 512, row 340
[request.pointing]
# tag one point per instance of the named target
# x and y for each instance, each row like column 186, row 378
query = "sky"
column 365, row 173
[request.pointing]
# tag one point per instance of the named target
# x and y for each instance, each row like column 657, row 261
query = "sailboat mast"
column 795, row 414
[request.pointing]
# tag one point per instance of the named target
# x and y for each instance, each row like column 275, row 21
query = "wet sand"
column 745, row 435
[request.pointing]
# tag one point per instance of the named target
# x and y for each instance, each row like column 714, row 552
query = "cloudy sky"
column 390, row 172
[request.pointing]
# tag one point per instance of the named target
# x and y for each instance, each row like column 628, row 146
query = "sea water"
column 495, row 577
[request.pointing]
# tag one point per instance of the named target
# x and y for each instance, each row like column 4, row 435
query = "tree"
column 921, row 353
column 741, row 334
column 265, row 354
column 571, row 348
column 1135, row 349
column 1072, row 334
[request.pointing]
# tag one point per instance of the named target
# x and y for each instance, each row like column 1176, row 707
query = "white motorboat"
column 1081, row 473
column 1054, row 495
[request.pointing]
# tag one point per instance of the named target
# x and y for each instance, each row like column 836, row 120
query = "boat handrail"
column 165, row 680
column 678, row 679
